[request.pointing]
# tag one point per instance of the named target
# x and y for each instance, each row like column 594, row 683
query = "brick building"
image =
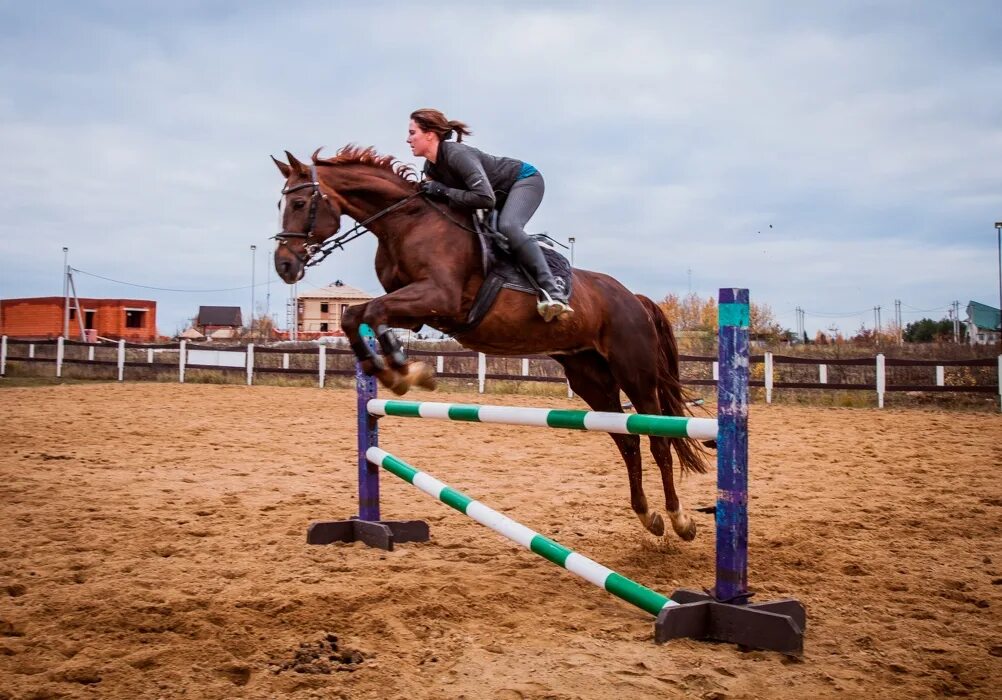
column 135, row 320
column 318, row 312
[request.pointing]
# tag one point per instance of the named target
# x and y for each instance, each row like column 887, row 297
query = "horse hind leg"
column 588, row 375
column 629, row 448
column 681, row 522
column 646, row 401
column 641, row 388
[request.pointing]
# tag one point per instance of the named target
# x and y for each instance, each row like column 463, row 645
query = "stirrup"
column 550, row 308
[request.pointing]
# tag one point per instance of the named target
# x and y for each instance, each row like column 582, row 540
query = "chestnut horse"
column 429, row 262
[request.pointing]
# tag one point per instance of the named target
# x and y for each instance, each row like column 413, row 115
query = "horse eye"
column 298, row 203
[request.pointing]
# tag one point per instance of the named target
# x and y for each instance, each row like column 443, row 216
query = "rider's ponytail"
column 429, row 119
column 460, row 128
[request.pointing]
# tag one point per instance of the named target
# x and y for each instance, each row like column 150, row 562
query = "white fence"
column 243, row 357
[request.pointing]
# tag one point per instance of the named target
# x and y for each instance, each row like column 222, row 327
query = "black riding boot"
column 554, row 303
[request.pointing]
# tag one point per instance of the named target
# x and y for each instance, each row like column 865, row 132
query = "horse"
column 430, row 265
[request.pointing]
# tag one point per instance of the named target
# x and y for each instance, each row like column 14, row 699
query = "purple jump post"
column 725, row 614
column 366, row 526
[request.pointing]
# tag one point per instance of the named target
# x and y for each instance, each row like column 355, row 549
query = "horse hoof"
column 394, row 381
column 422, row 374
column 685, row 528
column 653, row 523
column 399, row 387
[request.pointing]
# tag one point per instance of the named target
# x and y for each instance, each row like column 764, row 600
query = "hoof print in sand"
column 322, row 656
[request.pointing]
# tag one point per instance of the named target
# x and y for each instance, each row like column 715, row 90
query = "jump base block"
column 380, row 535
column 774, row 626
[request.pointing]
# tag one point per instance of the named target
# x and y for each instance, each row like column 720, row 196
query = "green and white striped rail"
column 620, row 586
column 625, row 423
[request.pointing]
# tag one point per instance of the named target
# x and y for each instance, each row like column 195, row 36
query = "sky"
column 832, row 157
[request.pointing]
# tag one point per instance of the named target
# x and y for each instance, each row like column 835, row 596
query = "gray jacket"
column 475, row 179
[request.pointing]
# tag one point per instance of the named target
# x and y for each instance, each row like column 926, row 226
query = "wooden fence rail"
column 322, row 362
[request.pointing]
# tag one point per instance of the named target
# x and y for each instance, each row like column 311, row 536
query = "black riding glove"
column 435, row 190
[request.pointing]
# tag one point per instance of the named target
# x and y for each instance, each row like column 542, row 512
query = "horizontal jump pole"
column 624, row 423
column 603, row 577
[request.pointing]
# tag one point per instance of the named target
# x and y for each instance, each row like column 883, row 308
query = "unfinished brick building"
column 135, row 320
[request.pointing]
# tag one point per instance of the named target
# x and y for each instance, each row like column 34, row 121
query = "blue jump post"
column 366, row 526
column 725, row 614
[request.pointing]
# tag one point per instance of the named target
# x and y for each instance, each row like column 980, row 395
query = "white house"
column 982, row 324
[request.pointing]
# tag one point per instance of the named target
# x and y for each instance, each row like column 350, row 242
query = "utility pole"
column 998, row 228
column 66, row 292
column 570, row 240
column 253, row 257
column 899, row 322
column 801, row 325
column 956, row 322
column 294, row 313
column 876, row 324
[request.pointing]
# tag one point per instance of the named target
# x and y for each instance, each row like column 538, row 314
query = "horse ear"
column 282, row 167
column 295, row 164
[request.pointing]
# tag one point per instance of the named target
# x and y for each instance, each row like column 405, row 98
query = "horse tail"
column 671, row 394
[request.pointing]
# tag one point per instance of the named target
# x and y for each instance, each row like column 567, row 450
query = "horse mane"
column 356, row 155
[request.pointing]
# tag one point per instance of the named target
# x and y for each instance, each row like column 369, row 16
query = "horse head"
column 309, row 216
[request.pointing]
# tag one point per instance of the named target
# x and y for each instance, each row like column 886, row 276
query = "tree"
column 764, row 324
column 928, row 331
column 693, row 313
column 263, row 329
column 864, row 336
column 690, row 313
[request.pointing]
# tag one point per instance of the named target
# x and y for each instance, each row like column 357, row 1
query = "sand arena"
column 152, row 546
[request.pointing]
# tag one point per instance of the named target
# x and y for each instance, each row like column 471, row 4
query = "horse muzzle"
column 288, row 266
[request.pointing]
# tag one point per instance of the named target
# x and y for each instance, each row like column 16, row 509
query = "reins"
column 318, row 252
column 357, row 231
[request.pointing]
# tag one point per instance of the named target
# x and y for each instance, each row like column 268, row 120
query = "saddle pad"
column 501, row 272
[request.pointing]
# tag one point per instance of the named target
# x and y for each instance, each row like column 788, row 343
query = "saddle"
column 501, row 271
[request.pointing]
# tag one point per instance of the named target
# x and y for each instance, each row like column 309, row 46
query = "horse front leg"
column 405, row 307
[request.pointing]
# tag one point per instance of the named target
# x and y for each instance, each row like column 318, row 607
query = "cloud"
column 669, row 137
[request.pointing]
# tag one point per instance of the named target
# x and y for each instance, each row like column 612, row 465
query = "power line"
column 168, row 289
column 926, row 311
column 846, row 314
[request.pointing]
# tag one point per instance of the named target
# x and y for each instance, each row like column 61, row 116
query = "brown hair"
column 433, row 120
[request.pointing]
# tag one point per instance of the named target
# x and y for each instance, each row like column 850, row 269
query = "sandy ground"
column 152, row 545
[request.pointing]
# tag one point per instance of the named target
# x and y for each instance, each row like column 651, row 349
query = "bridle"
column 311, row 247
column 317, row 251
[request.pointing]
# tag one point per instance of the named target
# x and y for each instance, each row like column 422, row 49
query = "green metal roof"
column 984, row 316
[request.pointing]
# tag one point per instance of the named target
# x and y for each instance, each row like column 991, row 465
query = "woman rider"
column 469, row 177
